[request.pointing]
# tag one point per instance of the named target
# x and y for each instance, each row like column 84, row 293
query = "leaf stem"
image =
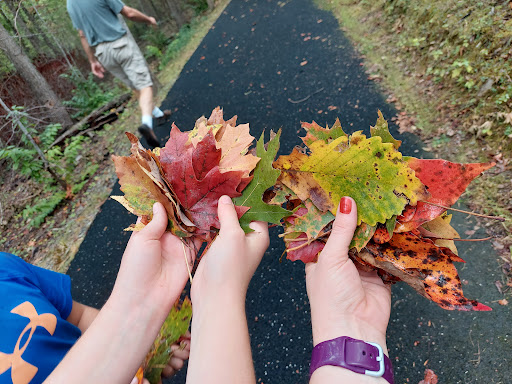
column 186, row 261
column 467, row 212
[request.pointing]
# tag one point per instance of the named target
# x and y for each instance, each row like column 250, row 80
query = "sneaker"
column 149, row 135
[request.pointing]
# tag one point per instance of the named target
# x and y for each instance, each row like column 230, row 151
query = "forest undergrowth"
column 445, row 65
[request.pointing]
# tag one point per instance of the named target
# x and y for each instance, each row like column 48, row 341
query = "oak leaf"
column 265, row 176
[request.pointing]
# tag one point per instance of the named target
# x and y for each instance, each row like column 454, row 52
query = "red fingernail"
column 345, row 205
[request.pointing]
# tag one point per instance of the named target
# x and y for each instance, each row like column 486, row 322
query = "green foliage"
column 199, row 6
column 88, row 94
column 463, row 45
column 180, row 40
column 36, row 214
column 25, row 159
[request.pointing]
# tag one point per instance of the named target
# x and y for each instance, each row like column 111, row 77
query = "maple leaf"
column 370, row 171
column 175, row 326
column 265, row 176
column 315, row 132
column 445, row 181
column 141, row 181
column 424, row 266
column 196, row 179
column 381, row 129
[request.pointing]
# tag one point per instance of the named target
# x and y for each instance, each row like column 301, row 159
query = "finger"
column 181, row 354
column 156, row 227
column 337, row 246
column 135, row 380
column 176, row 363
column 227, row 215
column 259, row 239
column 168, row 371
column 259, row 226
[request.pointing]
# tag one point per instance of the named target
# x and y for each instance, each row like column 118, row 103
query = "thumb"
column 337, row 246
column 157, row 226
column 227, row 214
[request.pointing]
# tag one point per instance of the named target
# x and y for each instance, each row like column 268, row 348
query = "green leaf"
column 265, row 176
column 175, row 326
column 370, row 171
column 362, row 235
column 313, row 221
column 381, row 129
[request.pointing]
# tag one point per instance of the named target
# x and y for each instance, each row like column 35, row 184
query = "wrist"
column 327, row 329
column 216, row 300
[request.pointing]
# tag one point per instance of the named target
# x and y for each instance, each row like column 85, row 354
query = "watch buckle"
column 380, row 359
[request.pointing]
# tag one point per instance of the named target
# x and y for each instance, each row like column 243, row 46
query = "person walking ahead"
column 109, row 46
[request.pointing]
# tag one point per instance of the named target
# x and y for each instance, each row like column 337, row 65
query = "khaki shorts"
column 123, row 58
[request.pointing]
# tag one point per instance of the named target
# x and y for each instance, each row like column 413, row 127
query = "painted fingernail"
column 225, row 200
column 345, row 205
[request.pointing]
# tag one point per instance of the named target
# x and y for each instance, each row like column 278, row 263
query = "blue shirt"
column 34, row 333
column 97, row 19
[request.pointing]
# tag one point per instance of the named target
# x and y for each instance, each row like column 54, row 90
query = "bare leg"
column 146, row 100
column 146, row 107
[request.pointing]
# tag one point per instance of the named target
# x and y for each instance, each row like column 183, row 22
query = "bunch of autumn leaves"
column 403, row 229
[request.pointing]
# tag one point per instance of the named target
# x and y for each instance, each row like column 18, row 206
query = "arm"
column 220, row 349
column 96, row 66
column 345, row 301
column 82, row 315
column 151, row 277
column 136, row 15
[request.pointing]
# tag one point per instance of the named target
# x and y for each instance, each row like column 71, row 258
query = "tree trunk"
column 176, row 13
column 37, row 83
column 42, row 34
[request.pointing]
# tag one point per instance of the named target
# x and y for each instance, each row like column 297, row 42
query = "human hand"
column 346, row 301
column 153, row 270
column 97, row 69
column 227, row 267
column 152, row 21
column 179, row 353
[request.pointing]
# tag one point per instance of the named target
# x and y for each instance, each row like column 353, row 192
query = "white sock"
column 148, row 120
column 157, row 112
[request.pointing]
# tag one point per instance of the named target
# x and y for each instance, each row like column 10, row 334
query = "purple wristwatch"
column 356, row 355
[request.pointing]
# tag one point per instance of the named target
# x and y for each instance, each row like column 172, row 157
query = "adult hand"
column 97, row 69
column 346, row 301
column 227, row 267
column 152, row 21
column 153, row 269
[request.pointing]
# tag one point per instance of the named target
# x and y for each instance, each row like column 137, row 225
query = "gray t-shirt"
column 97, row 19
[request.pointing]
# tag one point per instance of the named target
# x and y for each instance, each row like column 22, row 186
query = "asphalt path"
column 275, row 64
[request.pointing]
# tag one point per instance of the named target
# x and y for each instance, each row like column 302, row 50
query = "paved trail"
column 275, row 64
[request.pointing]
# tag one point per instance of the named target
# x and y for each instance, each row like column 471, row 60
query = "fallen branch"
column 304, row 99
column 94, row 115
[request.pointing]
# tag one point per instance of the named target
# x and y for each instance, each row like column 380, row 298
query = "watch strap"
column 353, row 354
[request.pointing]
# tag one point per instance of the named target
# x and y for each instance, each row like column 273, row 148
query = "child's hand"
column 344, row 300
column 153, row 270
column 232, row 259
column 180, row 352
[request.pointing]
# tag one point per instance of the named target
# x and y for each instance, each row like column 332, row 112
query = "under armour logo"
column 21, row 371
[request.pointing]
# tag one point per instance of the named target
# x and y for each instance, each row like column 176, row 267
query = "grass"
column 407, row 46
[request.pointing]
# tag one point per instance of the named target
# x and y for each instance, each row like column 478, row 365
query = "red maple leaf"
column 445, row 181
column 194, row 175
